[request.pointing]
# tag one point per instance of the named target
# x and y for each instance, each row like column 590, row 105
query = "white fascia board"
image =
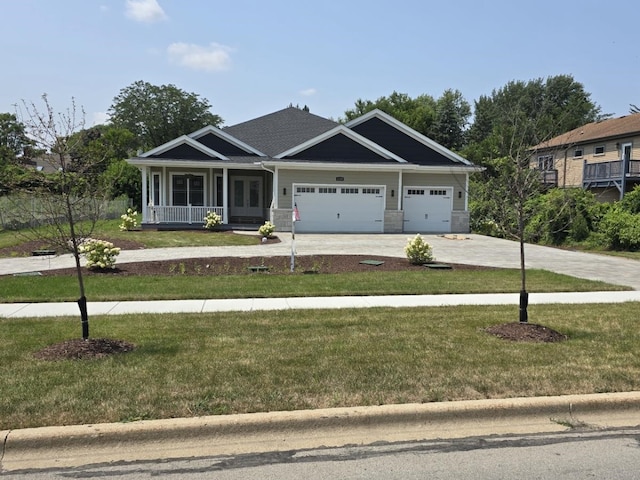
column 408, row 131
column 159, row 162
column 356, row 137
column 407, row 167
column 184, row 139
column 229, row 138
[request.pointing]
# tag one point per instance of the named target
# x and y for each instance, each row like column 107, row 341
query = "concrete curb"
column 58, row 447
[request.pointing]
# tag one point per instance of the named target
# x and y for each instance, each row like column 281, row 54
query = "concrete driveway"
column 470, row 249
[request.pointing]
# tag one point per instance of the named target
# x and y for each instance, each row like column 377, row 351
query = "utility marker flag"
column 295, row 217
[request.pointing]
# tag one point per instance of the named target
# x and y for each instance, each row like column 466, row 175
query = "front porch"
column 181, row 199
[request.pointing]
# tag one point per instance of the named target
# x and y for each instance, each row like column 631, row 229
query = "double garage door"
column 340, row 208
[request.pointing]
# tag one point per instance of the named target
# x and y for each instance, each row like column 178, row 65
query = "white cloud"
column 308, row 92
column 104, row 8
column 147, row 11
column 211, row 58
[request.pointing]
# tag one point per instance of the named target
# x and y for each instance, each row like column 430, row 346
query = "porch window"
column 155, row 185
column 187, row 190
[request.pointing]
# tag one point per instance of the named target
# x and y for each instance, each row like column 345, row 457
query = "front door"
column 246, row 197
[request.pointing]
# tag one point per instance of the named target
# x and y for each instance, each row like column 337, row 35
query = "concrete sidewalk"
column 22, row 310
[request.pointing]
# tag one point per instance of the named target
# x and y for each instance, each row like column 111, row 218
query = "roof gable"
column 184, row 147
column 340, row 144
column 222, row 142
column 628, row 125
column 395, row 136
column 280, row 131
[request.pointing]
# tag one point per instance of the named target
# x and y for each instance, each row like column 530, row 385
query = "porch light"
column 393, row 193
column 284, row 191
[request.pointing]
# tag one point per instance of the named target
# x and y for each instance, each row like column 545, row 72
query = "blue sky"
column 253, row 57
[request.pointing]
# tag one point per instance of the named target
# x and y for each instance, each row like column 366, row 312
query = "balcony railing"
column 609, row 170
column 549, row 178
column 187, row 214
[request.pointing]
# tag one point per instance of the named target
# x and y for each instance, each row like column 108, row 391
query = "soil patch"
column 79, row 349
column 526, row 332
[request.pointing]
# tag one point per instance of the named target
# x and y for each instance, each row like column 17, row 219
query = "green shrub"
column 267, row 229
column 418, row 251
column 129, row 220
column 99, row 253
column 212, row 220
column 621, row 229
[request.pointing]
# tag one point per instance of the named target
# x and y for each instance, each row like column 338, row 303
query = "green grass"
column 149, row 238
column 261, row 285
column 189, row 365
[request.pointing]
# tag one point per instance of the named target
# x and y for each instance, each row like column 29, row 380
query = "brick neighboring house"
column 603, row 157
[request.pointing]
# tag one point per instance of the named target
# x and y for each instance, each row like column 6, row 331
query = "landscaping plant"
column 129, row 220
column 99, row 253
column 212, row 220
column 267, row 229
column 418, row 251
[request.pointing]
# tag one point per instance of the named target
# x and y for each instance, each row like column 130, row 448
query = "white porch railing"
column 187, row 214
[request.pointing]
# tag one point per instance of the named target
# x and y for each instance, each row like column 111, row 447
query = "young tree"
column 158, row 114
column 69, row 200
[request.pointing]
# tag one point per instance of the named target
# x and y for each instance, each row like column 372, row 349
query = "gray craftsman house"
column 373, row 174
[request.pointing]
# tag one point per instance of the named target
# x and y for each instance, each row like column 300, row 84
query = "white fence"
column 187, row 214
column 21, row 212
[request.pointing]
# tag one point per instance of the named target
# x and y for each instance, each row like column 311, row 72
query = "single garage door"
column 340, row 208
column 427, row 209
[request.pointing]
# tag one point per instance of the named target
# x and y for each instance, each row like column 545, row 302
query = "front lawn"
column 263, row 285
column 190, row 365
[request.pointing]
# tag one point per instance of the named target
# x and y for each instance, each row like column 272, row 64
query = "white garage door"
column 340, row 208
column 427, row 209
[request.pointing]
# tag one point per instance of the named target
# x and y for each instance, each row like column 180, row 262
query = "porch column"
column 225, row 195
column 145, row 198
column 400, row 190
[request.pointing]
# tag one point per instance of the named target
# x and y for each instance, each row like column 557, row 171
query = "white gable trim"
column 229, row 138
column 341, row 129
column 184, row 140
column 377, row 113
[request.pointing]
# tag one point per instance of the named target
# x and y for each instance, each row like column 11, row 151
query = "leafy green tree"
column 15, row 146
column 451, row 120
column 557, row 104
column 418, row 113
column 158, row 114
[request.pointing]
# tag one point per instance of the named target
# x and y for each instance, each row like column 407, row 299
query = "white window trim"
column 604, row 150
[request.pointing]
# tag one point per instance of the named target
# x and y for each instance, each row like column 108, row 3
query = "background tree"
column 158, row 114
column 14, row 147
column 558, row 104
column 105, row 148
column 451, row 120
column 69, row 200
column 419, row 113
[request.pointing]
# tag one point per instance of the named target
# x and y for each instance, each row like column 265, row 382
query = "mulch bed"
column 526, row 332
column 79, row 349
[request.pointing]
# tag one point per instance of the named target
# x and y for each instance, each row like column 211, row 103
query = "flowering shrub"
column 418, row 251
column 212, row 220
column 267, row 229
column 99, row 253
column 129, row 220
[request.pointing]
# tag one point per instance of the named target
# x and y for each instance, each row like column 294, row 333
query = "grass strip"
column 189, row 365
column 264, row 285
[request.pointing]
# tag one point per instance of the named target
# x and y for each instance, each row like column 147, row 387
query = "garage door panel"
column 427, row 209
column 325, row 208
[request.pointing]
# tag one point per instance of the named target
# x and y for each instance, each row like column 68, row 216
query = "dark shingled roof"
column 279, row 131
column 614, row 127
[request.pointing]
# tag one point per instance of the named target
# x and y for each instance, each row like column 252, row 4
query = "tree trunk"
column 82, row 301
column 524, row 296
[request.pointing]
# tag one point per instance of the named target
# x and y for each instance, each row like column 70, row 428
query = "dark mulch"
column 79, row 349
column 526, row 332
